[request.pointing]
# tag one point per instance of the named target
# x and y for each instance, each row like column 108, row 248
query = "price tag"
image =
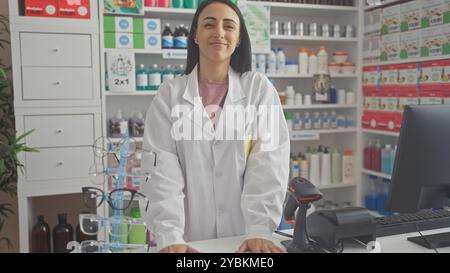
column 305, row 135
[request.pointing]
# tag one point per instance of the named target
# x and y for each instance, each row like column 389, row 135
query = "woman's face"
column 217, row 33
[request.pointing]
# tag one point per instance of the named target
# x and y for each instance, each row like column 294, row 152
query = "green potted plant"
column 10, row 145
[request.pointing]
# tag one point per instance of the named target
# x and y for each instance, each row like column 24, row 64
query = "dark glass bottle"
column 62, row 234
column 40, row 237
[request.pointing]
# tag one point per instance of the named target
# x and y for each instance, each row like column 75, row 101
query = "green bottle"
column 138, row 233
column 177, row 4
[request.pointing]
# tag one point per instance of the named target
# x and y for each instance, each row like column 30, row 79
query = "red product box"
column 371, row 78
column 41, row 8
column 431, row 97
column 387, row 122
column 77, row 9
column 431, row 74
column 389, row 78
column 398, row 122
column 410, row 98
column 369, row 120
column 446, row 75
column 408, row 77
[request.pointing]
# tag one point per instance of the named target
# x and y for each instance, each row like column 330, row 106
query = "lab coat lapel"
column 192, row 95
column 234, row 95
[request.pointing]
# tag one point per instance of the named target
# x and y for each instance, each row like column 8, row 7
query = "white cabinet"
column 57, row 93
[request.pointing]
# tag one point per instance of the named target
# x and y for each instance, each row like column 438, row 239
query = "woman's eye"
column 209, row 25
column 229, row 27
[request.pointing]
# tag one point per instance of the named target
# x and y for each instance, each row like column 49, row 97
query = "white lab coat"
column 205, row 189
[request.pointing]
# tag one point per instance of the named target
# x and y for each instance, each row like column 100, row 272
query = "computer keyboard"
column 406, row 223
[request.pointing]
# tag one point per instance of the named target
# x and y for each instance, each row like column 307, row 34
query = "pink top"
column 213, row 96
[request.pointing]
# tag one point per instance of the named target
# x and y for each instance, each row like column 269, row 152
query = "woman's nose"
column 219, row 32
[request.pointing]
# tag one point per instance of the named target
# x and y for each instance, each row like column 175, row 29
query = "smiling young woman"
column 214, row 187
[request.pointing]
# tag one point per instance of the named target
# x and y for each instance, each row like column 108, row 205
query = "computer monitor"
column 421, row 174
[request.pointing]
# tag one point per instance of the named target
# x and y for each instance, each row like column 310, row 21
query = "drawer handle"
column 59, row 131
column 58, row 83
column 60, row 163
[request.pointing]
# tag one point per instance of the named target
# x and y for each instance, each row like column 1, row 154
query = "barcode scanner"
column 301, row 193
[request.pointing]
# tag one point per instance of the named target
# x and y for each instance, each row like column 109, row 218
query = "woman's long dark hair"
column 241, row 60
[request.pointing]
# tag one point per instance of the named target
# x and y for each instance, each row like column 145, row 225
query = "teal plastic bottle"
column 154, row 78
column 138, row 233
column 141, row 79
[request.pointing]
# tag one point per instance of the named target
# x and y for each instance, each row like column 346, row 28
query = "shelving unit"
column 379, row 132
column 417, row 60
column 56, row 82
column 377, row 174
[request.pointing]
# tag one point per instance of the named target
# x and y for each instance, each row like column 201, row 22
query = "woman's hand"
column 259, row 246
column 178, row 249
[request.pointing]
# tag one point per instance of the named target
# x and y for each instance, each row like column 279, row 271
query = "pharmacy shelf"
column 135, row 50
column 132, row 139
column 380, row 132
column 377, row 174
column 337, row 186
column 311, row 40
column 385, row 4
column 135, row 93
column 319, row 106
column 314, row 135
column 170, row 13
column 297, row 9
column 417, row 60
column 307, row 76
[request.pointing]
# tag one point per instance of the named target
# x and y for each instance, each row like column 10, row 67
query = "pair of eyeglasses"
column 99, row 174
column 115, row 149
column 118, row 227
column 118, row 199
column 104, row 247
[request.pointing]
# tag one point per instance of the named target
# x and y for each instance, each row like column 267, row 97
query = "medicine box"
column 410, row 43
column 74, row 9
column 118, row 40
column 410, row 13
column 390, row 47
column 39, row 8
column 391, row 20
column 433, row 12
column 117, row 24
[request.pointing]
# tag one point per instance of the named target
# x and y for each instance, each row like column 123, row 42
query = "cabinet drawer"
column 59, row 131
column 40, row 83
column 58, row 163
column 43, row 49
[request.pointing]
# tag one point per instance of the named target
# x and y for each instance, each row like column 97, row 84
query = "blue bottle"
column 167, row 37
column 333, row 95
column 386, row 155
column 370, row 200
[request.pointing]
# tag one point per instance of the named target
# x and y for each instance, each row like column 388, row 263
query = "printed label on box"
column 391, row 20
column 446, row 75
column 431, row 76
column 390, row 47
column 408, row 77
column 371, row 79
column 152, row 26
column 410, row 13
column 38, row 8
column 124, row 24
column 152, row 41
column 389, row 104
column 124, row 40
column 79, row 9
column 374, row 103
column 431, row 98
column 432, row 42
column 121, row 72
column 389, row 78
column 432, row 13
column 410, row 43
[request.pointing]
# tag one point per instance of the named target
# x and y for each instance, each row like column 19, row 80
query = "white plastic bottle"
column 261, row 63
column 312, row 63
column 322, row 60
column 298, row 99
column 303, row 61
column 325, row 168
column 154, row 78
column 298, row 124
column 314, row 171
column 281, row 61
column 336, row 166
column 326, row 121
column 348, row 167
column 141, row 78
column 272, row 62
column 290, row 95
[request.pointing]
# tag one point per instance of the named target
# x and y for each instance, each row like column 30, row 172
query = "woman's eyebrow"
column 215, row 19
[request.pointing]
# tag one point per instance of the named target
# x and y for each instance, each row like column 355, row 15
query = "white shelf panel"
column 135, row 50
column 308, row 76
column 417, row 60
column 384, row 4
column 297, row 9
column 132, row 139
column 319, row 106
column 337, row 186
column 379, row 132
column 136, row 93
column 311, row 40
column 377, row 174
